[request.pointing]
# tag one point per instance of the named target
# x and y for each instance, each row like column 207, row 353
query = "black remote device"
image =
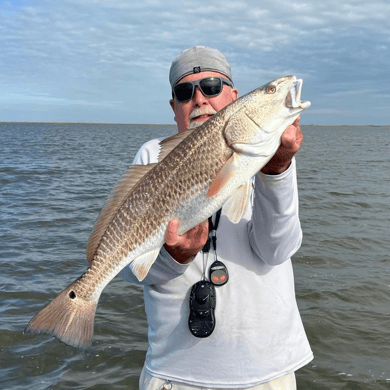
column 202, row 306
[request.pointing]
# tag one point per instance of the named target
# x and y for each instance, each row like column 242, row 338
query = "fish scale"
column 198, row 172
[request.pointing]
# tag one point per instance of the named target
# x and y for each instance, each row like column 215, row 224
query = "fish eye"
column 271, row 89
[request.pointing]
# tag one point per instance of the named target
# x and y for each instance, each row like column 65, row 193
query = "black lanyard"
column 218, row 273
column 203, row 297
column 213, row 230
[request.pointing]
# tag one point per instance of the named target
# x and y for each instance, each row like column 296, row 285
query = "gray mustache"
column 202, row 111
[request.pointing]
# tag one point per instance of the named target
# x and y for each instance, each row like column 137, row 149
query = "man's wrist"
column 275, row 169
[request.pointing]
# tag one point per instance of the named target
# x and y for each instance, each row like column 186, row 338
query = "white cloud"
column 295, row 5
column 333, row 111
column 19, row 98
column 106, row 50
column 351, row 92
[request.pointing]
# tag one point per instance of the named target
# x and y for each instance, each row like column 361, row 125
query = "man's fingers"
column 289, row 137
column 193, row 236
column 290, row 143
column 203, row 231
column 292, row 138
column 204, row 226
column 171, row 236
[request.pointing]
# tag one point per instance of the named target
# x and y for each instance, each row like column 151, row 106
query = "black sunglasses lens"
column 211, row 86
column 183, row 91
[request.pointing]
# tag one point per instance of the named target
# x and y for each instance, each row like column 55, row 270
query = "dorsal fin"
column 170, row 143
column 113, row 204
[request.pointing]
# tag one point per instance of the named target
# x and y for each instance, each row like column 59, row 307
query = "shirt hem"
column 231, row 385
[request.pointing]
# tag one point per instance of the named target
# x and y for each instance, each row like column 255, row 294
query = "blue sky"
column 108, row 60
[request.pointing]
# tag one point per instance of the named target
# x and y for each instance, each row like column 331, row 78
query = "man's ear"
column 172, row 104
column 234, row 92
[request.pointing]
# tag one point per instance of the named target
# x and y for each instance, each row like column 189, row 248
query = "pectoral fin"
column 236, row 205
column 224, row 176
column 141, row 265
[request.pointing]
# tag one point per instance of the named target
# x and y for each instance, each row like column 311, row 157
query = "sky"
column 107, row 61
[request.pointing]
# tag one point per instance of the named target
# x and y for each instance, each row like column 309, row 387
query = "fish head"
column 262, row 115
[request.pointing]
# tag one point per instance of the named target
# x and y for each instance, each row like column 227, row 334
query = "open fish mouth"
column 293, row 98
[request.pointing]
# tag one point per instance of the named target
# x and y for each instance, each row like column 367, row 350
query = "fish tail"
column 68, row 317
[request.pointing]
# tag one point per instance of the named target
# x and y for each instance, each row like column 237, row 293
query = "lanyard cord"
column 206, row 249
column 213, row 230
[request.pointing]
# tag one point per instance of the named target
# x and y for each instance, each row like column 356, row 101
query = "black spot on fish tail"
column 70, row 320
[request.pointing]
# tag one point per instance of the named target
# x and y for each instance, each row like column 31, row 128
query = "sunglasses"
column 210, row 86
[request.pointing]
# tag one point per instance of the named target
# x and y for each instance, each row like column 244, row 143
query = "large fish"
column 199, row 171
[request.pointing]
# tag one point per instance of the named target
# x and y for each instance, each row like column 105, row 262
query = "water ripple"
column 54, row 179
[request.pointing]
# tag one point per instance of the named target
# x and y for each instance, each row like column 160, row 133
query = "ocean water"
column 54, row 179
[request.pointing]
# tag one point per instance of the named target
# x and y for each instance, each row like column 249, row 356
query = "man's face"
column 200, row 108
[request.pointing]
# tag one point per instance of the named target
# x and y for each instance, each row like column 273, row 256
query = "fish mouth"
column 293, row 98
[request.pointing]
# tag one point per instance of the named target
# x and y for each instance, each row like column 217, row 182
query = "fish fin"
column 170, row 143
column 70, row 320
column 141, row 265
column 224, row 176
column 113, row 204
column 236, row 205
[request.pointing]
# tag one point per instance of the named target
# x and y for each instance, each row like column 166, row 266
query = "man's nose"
column 198, row 98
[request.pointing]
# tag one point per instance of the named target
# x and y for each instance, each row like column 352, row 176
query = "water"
column 54, row 178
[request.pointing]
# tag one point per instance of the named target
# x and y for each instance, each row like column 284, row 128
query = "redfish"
column 199, row 171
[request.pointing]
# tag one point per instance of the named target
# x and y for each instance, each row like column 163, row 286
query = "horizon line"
column 161, row 124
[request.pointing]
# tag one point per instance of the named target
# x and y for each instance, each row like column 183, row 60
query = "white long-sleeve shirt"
column 259, row 334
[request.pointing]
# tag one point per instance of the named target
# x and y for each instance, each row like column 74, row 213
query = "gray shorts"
column 148, row 382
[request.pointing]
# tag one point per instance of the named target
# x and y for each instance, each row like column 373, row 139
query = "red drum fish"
column 199, row 171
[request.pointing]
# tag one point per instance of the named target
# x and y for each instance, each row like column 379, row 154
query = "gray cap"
column 198, row 59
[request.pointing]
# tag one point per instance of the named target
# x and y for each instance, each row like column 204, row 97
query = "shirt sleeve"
column 148, row 153
column 275, row 232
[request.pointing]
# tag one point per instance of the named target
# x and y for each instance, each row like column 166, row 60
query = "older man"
column 225, row 318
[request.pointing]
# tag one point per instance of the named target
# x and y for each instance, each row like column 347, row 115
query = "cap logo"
column 196, row 69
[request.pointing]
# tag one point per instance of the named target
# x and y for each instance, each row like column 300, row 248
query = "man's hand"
column 291, row 142
column 184, row 248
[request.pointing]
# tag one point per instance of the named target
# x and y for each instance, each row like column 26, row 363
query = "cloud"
column 351, row 92
column 333, row 111
column 45, row 99
column 120, row 51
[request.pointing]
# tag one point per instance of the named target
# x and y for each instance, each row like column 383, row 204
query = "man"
column 258, row 340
